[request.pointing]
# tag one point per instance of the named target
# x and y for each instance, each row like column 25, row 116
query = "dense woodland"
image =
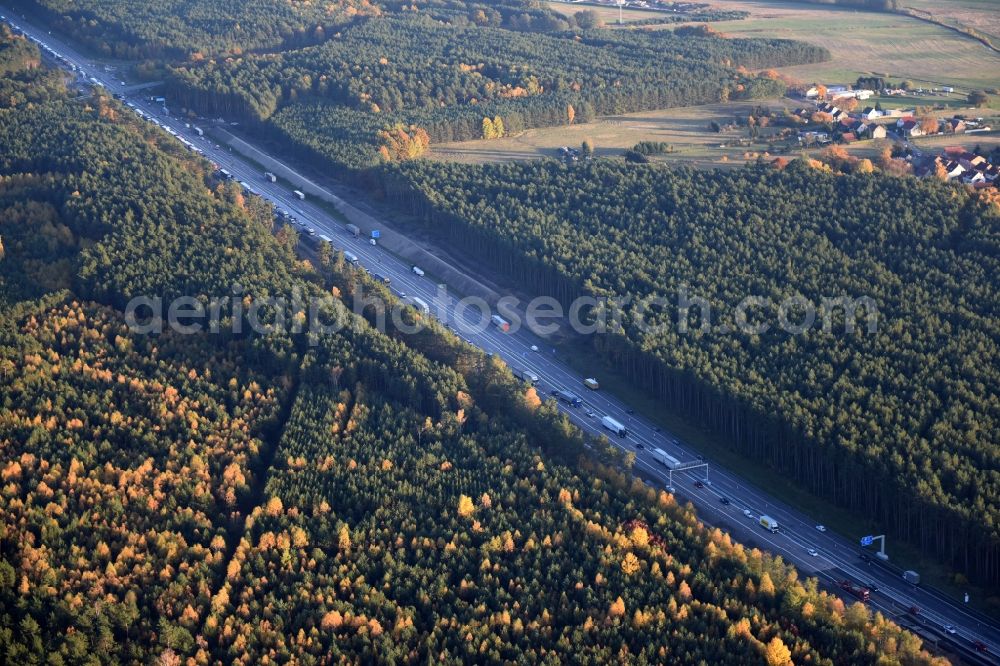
column 236, row 498
column 139, row 29
column 197, row 29
column 394, row 64
column 900, row 425
column 330, row 101
column 327, row 81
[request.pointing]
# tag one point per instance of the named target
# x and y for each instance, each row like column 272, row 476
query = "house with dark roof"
column 910, row 128
column 958, row 164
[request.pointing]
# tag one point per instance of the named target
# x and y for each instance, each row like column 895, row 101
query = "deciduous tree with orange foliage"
column 401, row 143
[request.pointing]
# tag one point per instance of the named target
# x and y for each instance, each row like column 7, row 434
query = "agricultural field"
column 979, row 15
column 869, row 42
column 608, row 14
column 936, row 144
column 860, row 43
column 949, row 103
column 686, row 129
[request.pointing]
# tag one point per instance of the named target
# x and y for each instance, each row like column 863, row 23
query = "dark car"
column 639, row 446
column 981, row 646
column 725, row 500
column 699, row 484
column 873, row 587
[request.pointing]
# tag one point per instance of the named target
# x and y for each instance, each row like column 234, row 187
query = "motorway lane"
column 796, row 536
column 797, row 531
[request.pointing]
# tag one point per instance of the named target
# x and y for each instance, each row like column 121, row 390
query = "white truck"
column 769, row 523
column 299, row 194
column 664, row 458
column 500, row 323
column 421, row 305
column 270, row 176
column 417, row 270
column 526, row 376
column 614, row 426
column 350, row 258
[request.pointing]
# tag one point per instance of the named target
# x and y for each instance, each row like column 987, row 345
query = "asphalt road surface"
column 836, row 557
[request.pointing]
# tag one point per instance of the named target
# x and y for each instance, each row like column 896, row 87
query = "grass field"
column 982, row 16
column 608, row 14
column 938, row 101
column 936, row 144
column 686, row 129
column 869, row 42
column 860, row 42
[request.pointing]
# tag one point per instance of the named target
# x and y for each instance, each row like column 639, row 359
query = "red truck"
column 860, row 592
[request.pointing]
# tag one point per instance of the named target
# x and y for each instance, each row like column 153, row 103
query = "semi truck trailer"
column 614, row 426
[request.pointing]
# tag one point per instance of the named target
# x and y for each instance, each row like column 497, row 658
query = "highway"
column 836, row 557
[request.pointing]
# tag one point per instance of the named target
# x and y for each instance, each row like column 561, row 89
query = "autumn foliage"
column 400, row 143
column 356, row 497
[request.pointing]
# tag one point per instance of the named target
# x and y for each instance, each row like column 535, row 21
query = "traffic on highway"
column 721, row 496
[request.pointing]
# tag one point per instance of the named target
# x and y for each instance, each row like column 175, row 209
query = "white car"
column 671, row 490
column 812, row 551
column 534, row 347
column 748, row 514
column 821, row 528
column 950, row 629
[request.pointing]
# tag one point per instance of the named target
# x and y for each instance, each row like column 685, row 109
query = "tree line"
column 362, row 494
column 162, row 29
column 895, row 425
column 446, row 78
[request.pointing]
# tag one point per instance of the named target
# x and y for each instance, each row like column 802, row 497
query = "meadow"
column 607, row 14
column 686, row 129
column 870, row 43
column 981, row 16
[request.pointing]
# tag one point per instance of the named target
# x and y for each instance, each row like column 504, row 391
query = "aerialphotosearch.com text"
column 685, row 312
